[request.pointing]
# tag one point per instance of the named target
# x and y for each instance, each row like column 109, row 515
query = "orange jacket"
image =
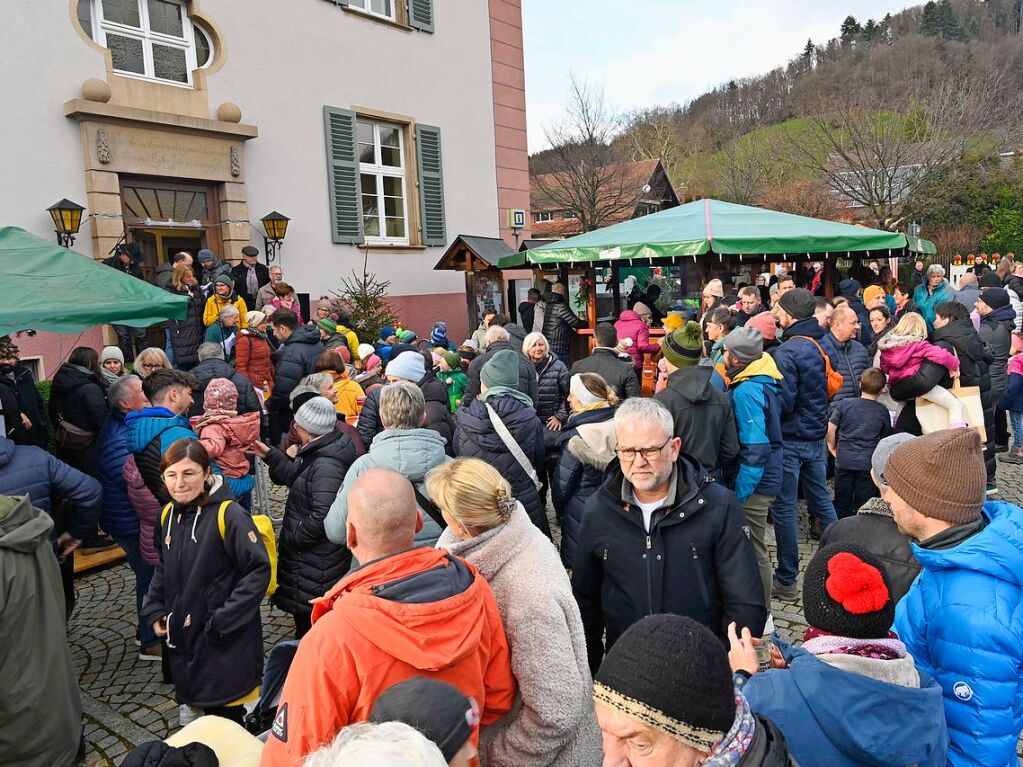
column 405, row 615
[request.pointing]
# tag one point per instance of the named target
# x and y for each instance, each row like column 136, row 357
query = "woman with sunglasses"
column 205, row 595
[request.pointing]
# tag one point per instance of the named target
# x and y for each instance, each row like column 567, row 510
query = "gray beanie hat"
column 318, row 416
column 883, row 451
column 745, row 344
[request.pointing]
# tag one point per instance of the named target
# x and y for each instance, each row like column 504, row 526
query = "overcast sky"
column 648, row 52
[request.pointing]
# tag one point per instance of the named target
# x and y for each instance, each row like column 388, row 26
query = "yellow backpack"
column 265, row 528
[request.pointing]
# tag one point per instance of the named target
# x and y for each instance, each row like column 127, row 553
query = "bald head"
column 967, row 279
column 382, row 515
column 845, row 323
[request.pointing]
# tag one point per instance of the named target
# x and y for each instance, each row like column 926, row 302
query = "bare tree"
column 877, row 152
column 748, row 167
column 587, row 178
column 662, row 134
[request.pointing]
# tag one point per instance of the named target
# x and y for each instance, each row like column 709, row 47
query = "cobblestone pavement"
column 125, row 701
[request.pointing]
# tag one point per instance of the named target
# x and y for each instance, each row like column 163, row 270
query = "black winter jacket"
column 803, row 390
column 960, row 338
column 586, row 446
column 438, row 413
column 30, row 401
column 703, row 417
column 475, row 437
column 132, row 269
column 866, row 331
column 186, row 335
column 78, row 395
column 559, row 322
column 240, row 272
column 874, row 528
column 768, row 747
column 527, row 372
column 996, row 331
column 552, row 389
column 615, row 369
column 293, row 361
column 850, row 359
column 308, row 563
column 209, row 590
column 697, row 560
column 207, row 370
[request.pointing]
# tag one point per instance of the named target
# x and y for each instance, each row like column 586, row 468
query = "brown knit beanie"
column 941, row 475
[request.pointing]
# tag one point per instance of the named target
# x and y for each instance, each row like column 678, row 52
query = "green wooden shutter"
column 431, row 185
column 420, row 15
column 343, row 176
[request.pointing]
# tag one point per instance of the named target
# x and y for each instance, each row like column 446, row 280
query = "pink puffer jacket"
column 147, row 508
column 631, row 325
column 902, row 356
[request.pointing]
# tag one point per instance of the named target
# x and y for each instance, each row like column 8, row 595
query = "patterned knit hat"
column 846, row 591
column 683, row 347
column 941, row 475
column 439, row 335
column 327, row 324
column 221, row 394
column 670, row 673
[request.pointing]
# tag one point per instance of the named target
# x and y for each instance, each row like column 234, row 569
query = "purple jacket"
column 631, row 325
column 147, row 508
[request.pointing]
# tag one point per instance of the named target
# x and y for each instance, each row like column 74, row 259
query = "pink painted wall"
column 54, row 348
column 418, row 313
column 509, row 113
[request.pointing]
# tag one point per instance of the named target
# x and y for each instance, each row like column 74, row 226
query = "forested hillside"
column 911, row 117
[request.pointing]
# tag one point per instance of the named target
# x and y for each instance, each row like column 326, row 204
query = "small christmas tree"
column 367, row 296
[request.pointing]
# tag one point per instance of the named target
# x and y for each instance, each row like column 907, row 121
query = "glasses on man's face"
column 189, row 475
column 152, row 366
column 628, row 454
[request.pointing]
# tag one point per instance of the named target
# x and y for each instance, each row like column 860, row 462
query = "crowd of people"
column 436, row 621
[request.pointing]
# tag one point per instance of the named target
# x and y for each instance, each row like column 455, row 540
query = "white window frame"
column 380, row 171
column 102, row 27
column 569, row 216
column 366, row 6
column 542, row 216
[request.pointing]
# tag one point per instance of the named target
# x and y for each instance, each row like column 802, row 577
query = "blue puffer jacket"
column 962, row 621
column 118, row 516
column 754, row 392
column 150, row 432
column 585, row 448
column 803, row 390
column 29, row 470
column 830, row 716
column 850, row 359
column 927, row 302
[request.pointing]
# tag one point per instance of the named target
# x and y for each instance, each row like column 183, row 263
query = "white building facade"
column 381, row 128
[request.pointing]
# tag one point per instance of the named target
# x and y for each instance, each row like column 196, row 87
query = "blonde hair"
column 178, row 275
column 597, row 386
column 151, row 354
column 471, row 491
column 911, row 324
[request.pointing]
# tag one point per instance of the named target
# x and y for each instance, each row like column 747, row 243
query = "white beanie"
column 318, row 416
column 111, row 353
column 365, row 351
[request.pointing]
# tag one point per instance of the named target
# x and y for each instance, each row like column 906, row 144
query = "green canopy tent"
column 46, row 287
column 713, row 227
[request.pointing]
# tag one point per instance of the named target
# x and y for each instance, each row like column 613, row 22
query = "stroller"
column 260, row 719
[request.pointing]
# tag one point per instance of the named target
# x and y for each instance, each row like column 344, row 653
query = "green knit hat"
column 453, row 360
column 683, row 347
column 501, row 370
column 327, row 324
column 407, row 337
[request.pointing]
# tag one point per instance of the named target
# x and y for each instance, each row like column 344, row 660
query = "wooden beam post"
column 830, row 261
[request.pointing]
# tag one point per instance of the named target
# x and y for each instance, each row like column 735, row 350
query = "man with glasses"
column 661, row 536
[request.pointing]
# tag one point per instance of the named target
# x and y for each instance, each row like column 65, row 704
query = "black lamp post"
column 67, row 220
column 276, row 226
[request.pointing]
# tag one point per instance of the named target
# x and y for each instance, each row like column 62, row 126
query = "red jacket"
column 631, row 325
column 252, row 359
column 405, row 615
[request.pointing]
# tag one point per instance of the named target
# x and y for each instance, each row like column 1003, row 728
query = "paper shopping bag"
column 935, row 418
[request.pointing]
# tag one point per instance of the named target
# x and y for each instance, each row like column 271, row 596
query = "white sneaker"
column 187, row 714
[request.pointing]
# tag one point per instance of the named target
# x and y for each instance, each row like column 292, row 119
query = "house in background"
column 382, row 128
column 645, row 184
